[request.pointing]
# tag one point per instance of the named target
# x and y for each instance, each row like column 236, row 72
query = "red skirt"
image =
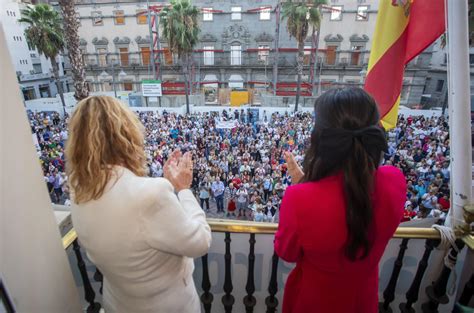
column 231, row 206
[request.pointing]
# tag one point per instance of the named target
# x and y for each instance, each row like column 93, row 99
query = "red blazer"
column 312, row 232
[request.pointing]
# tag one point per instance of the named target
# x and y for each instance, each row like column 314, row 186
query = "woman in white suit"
column 141, row 232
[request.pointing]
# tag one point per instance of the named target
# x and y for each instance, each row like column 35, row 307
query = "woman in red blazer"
column 336, row 222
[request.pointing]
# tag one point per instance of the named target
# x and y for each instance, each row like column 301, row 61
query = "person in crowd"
column 251, row 155
column 242, row 201
column 218, row 189
column 141, row 232
column 204, row 195
column 356, row 204
column 230, row 195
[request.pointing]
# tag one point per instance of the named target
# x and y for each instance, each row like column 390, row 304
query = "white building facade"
column 237, row 49
column 33, row 70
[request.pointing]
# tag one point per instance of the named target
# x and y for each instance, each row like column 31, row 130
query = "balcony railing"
column 250, row 58
column 436, row 292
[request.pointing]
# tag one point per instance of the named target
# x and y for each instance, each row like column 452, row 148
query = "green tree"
column 71, row 26
column 300, row 16
column 45, row 34
column 181, row 30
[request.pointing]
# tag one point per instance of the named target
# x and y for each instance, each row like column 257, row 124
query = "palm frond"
column 44, row 31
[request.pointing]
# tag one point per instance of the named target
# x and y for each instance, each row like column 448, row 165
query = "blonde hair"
column 102, row 133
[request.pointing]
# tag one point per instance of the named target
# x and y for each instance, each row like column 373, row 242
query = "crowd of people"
column 239, row 170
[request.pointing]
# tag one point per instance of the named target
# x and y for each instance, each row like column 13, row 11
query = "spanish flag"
column 404, row 28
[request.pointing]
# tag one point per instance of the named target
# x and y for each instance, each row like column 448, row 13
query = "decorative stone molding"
column 100, row 42
column 236, row 32
column 264, row 37
column 331, row 38
column 356, row 38
column 207, row 37
column 142, row 40
column 122, row 41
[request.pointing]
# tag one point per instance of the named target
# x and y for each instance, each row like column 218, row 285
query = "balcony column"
column 206, row 297
column 271, row 301
column 413, row 293
column 459, row 110
column 228, row 299
column 437, row 291
column 249, row 299
column 389, row 292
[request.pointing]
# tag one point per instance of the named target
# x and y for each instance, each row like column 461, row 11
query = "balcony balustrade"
column 238, row 284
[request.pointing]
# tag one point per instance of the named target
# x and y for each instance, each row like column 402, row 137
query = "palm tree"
column 71, row 26
column 45, row 34
column 181, row 30
column 300, row 16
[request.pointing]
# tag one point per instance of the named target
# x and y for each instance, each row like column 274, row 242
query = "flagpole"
column 459, row 109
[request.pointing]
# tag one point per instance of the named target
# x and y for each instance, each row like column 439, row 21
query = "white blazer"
column 143, row 237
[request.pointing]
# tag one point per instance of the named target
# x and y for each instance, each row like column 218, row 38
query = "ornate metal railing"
column 436, row 292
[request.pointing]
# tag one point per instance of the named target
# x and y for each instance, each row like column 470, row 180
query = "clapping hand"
column 178, row 169
column 294, row 169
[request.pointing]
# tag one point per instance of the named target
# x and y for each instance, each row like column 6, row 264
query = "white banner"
column 227, row 124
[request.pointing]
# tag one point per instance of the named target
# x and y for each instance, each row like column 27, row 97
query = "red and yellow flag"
column 404, row 28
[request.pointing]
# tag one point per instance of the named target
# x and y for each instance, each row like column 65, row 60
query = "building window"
column 119, row 17
column 439, row 85
column 128, row 86
column 355, row 54
column 336, row 13
column 236, row 54
column 37, row 68
column 331, row 55
column 306, row 54
column 142, row 17
column 471, row 59
column 263, row 53
column 97, row 18
column 106, row 86
column 123, row 56
column 405, row 90
column 207, row 14
column 168, row 56
column 145, row 52
column 362, row 14
column 264, row 13
column 102, row 53
column 236, row 13
column 208, row 55
column 29, row 93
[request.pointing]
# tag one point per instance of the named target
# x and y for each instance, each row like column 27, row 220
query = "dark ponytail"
column 346, row 138
column 358, row 182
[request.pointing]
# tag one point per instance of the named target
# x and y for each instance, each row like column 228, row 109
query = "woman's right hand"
column 178, row 169
column 294, row 169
